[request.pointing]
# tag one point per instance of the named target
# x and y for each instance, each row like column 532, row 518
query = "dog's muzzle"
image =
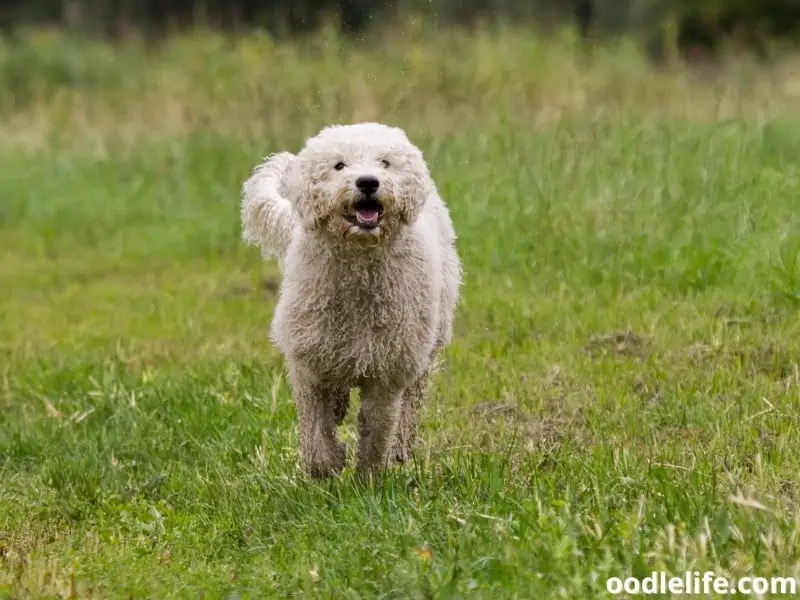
column 367, row 212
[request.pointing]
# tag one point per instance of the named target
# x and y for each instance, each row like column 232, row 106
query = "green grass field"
column 621, row 395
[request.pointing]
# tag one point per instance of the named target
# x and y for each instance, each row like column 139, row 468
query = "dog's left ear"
column 412, row 206
column 419, row 188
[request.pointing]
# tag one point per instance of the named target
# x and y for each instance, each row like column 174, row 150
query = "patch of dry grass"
column 101, row 96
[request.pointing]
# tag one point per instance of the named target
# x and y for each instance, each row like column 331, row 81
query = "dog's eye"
column 385, row 163
column 339, row 166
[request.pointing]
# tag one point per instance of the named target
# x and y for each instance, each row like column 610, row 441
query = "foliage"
column 707, row 24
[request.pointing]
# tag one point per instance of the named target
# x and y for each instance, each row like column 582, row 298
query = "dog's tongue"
column 367, row 216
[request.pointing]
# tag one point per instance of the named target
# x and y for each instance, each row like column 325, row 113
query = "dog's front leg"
column 377, row 427
column 317, row 407
column 406, row 436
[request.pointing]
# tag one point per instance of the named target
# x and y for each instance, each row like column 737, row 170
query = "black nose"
column 368, row 184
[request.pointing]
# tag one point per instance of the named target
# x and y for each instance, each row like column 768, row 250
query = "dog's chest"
column 372, row 320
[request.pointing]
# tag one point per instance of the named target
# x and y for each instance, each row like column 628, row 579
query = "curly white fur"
column 360, row 306
column 267, row 217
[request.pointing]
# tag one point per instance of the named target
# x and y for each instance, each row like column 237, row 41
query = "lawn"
column 620, row 397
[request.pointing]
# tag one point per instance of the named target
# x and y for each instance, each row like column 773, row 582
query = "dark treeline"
column 704, row 23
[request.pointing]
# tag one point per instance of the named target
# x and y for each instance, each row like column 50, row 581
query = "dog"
column 370, row 284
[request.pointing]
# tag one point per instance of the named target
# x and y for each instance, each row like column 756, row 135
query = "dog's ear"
column 302, row 193
column 292, row 181
column 417, row 189
column 410, row 208
column 267, row 216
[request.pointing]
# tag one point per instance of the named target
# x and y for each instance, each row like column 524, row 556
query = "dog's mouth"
column 367, row 213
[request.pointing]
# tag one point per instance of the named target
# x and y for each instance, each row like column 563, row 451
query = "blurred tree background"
column 666, row 25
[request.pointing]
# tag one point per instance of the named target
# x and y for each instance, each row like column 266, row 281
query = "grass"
column 621, row 395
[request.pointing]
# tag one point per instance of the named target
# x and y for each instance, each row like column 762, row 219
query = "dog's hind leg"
column 341, row 401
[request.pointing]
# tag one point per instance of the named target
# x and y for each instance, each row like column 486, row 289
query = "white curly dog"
column 370, row 284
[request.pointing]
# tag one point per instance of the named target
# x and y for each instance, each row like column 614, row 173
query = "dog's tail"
column 267, row 216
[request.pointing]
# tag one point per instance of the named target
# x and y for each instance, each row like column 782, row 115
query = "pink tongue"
column 366, row 216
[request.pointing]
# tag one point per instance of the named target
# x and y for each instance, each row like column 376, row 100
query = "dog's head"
column 359, row 183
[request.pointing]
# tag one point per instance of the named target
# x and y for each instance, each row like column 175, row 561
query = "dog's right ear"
column 302, row 193
column 267, row 215
column 292, row 181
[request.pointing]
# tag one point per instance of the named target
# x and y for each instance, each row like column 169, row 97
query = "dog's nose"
column 367, row 184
